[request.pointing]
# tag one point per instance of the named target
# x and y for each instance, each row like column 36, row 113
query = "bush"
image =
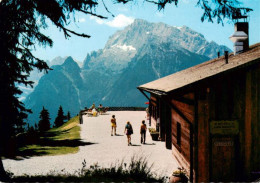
column 137, row 170
column 153, row 131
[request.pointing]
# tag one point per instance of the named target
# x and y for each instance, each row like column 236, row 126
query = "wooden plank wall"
column 256, row 124
column 182, row 157
column 233, row 96
column 163, row 118
column 226, row 102
column 188, row 111
column 252, row 123
column 239, row 94
column 154, row 111
column 202, row 163
column 237, row 97
column 221, row 99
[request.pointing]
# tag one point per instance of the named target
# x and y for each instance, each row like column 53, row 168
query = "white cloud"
column 82, row 20
column 119, row 21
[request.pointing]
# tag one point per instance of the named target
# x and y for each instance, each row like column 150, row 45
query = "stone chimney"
column 240, row 36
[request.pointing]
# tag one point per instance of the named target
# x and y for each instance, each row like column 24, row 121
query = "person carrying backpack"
column 143, row 132
column 128, row 132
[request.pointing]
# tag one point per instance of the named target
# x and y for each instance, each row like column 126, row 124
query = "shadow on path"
column 118, row 135
column 41, row 144
column 135, row 145
column 48, row 147
column 104, row 114
column 149, row 144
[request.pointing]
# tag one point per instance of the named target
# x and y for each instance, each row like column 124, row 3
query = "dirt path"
column 105, row 150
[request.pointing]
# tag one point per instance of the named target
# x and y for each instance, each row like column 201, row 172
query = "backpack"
column 129, row 129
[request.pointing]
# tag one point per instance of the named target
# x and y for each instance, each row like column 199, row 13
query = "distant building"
column 209, row 115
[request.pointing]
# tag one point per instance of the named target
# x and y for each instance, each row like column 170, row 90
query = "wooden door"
column 223, row 159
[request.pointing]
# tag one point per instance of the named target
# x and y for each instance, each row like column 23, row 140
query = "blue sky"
column 185, row 14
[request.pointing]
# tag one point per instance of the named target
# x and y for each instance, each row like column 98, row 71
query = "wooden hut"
column 209, row 115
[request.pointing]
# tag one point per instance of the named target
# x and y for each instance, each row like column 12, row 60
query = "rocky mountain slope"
column 61, row 86
column 140, row 53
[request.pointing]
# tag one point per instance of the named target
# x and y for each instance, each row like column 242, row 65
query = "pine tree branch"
column 107, row 8
column 40, row 64
column 65, row 30
column 93, row 14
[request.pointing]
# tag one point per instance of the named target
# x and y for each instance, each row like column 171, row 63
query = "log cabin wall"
column 181, row 129
column 159, row 118
column 201, row 153
column 220, row 99
column 154, row 111
column 232, row 97
column 251, row 136
column 224, row 147
column 162, row 119
column 166, row 123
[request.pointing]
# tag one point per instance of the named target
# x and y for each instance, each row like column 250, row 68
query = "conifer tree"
column 44, row 123
column 31, row 129
column 60, row 118
column 28, row 127
column 68, row 116
column 36, row 126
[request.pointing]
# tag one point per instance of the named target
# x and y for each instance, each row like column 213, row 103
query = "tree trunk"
column 3, row 175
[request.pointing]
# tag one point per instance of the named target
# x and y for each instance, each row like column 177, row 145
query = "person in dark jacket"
column 143, row 132
column 128, row 132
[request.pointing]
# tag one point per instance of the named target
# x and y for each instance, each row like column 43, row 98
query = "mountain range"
column 140, row 53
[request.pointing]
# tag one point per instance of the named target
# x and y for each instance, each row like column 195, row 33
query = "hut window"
column 178, row 133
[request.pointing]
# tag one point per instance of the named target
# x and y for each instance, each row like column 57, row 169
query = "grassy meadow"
column 62, row 140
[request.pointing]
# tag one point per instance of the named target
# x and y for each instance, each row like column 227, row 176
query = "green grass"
column 56, row 141
column 69, row 130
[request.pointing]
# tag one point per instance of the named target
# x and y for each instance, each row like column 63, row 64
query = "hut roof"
column 203, row 71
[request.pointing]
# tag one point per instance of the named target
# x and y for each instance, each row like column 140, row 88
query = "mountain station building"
column 209, row 115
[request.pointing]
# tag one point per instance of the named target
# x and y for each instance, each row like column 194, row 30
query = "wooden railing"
column 126, row 109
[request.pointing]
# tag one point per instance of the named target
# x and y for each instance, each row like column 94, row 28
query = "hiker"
column 128, row 132
column 113, row 125
column 100, row 108
column 94, row 112
column 143, row 132
column 93, row 106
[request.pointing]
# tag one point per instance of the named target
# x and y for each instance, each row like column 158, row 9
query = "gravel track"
column 105, row 150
